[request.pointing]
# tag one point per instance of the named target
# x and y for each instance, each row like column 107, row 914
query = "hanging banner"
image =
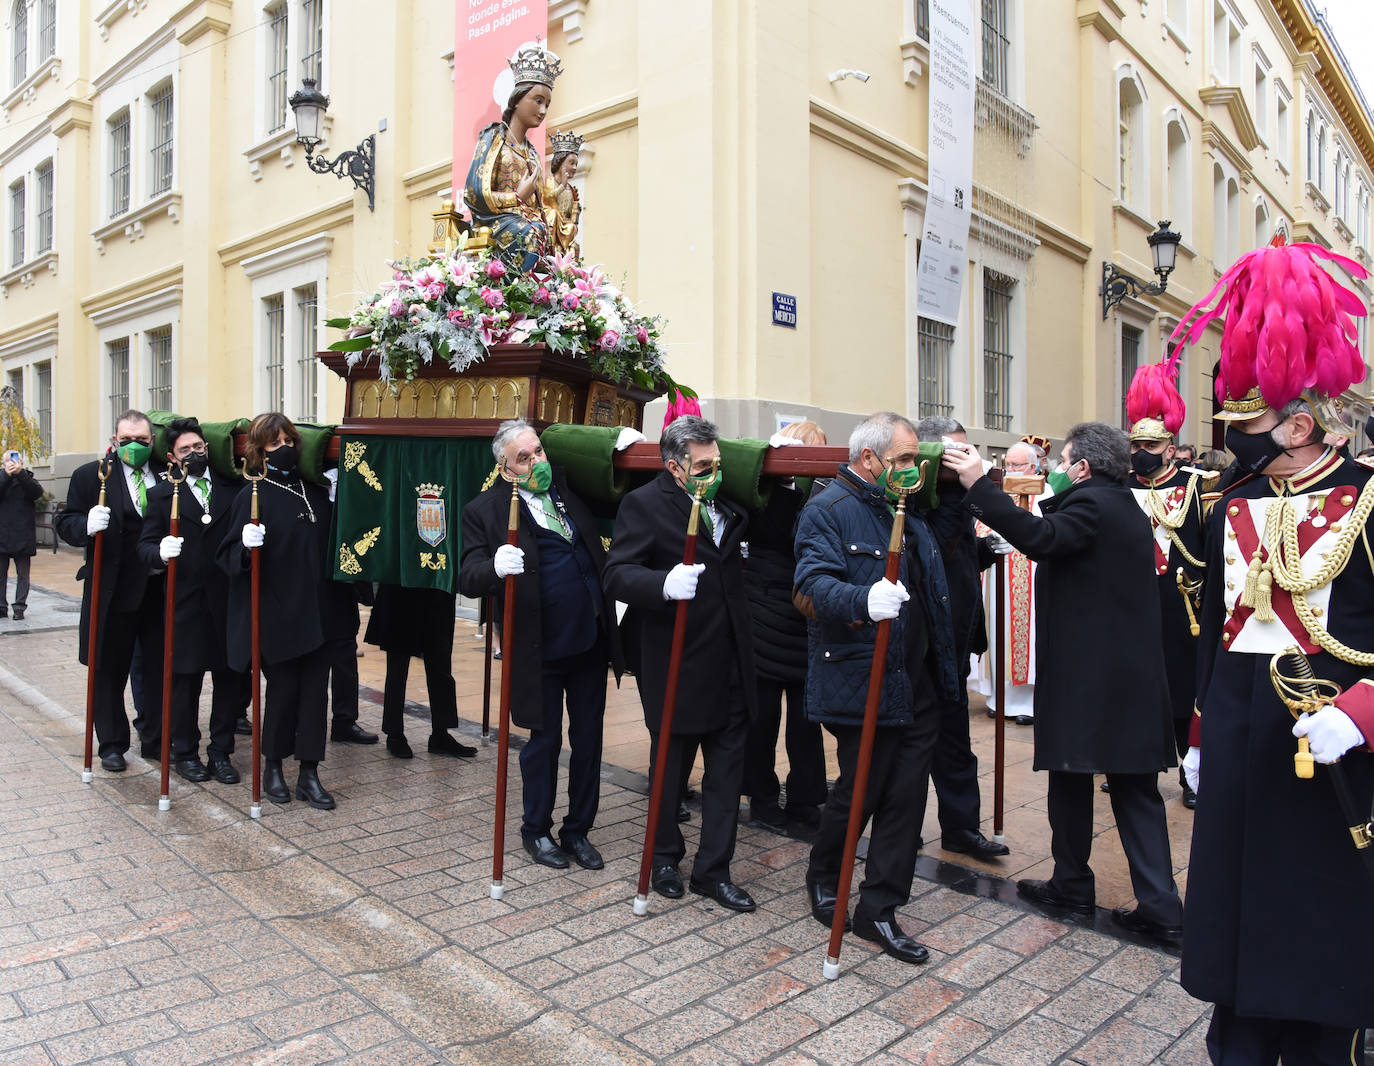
column 943, row 256
column 487, row 33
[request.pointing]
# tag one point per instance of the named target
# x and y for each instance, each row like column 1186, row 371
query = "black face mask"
column 1146, row 463
column 1253, row 451
column 283, row 459
column 195, row 464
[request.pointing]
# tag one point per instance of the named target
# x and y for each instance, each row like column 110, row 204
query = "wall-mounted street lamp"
column 309, row 106
column 1117, row 284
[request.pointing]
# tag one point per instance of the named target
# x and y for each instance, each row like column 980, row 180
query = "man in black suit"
column 564, row 635
column 716, row 693
column 202, row 601
column 131, row 599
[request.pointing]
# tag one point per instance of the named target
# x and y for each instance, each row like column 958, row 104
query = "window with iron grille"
column 1130, row 362
column 119, row 164
column 276, row 68
column 275, row 309
column 996, row 44
column 923, row 19
column 15, row 380
column 118, row 354
column 307, row 337
column 47, row 29
column 42, row 379
column 160, row 107
column 935, row 348
column 312, row 40
column 19, row 27
column 997, row 292
column 160, row 365
column 43, row 178
column 17, row 209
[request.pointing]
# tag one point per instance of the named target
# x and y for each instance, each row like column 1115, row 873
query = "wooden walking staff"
column 665, row 723
column 831, row 969
column 164, row 800
column 489, row 606
column 498, row 847
column 255, row 614
column 103, row 468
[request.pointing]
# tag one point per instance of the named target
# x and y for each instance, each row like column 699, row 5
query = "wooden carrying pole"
column 164, row 799
column 831, row 969
column 103, row 468
column 498, row 847
column 999, row 731
column 665, row 722
column 489, row 606
column 255, row 615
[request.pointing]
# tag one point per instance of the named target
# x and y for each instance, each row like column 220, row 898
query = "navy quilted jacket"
column 841, row 545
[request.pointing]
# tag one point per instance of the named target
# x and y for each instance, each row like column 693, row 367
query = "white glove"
column 629, row 435
column 1329, row 732
column 999, row 544
column 885, row 600
column 97, row 520
column 332, row 476
column 681, row 582
column 508, row 560
column 169, row 547
column 777, row 440
column 1192, row 768
column 253, row 536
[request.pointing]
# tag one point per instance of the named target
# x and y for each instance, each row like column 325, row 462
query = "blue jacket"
column 841, row 545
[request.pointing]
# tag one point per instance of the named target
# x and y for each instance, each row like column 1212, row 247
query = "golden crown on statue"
column 565, row 142
column 537, row 65
column 428, row 489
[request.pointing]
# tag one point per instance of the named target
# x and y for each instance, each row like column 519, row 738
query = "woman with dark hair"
column 505, row 181
column 293, row 542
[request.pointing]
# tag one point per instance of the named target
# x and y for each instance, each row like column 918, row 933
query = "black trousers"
column 1144, row 832
column 296, row 710
column 1236, row 1041
column 117, row 634
column 954, row 768
column 228, row 695
column 582, row 679
column 443, row 693
column 342, row 654
column 723, row 760
column 806, row 785
column 895, row 802
column 21, row 579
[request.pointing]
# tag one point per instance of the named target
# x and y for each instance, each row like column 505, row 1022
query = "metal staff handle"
column 164, row 800
column 999, row 725
column 489, row 603
column 831, row 969
column 665, row 723
column 255, row 615
column 104, row 466
column 498, row 847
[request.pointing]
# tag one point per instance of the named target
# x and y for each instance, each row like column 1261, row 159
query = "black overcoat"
column 1101, row 697
column 17, row 495
column 202, row 588
column 124, row 577
column 779, row 629
column 650, row 534
column 485, row 520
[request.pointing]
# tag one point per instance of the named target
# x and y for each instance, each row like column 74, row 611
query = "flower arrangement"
column 455, row 308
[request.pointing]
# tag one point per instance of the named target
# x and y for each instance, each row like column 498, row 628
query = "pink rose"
column 642, row 335
column 397, row 308
column 492, row 297
column 609, row 340
column 458, row 317
column 541, row 295
column 571, row 302
column 434, row 290
column 496, row 269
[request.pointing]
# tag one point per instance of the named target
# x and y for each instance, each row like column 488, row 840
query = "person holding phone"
column 19, row 491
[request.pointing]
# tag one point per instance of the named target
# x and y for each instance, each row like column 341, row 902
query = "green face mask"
column 711, row 481
column 891, row 480
column 135, row 453
column 540, row 477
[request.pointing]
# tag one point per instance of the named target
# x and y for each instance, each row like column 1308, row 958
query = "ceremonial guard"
column 717, row 693
column 1172, row 499
column 565, row 635
column 131, row 597
column 1277, row 933
column 202, row 601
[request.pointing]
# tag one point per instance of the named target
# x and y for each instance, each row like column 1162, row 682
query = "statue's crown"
column 428, row 489
column 565, row 142
column 537, row 65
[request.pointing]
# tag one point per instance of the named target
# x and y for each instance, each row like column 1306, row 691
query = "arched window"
column 47, row 29
column 1132, row 147
column 1178, row 176
column 1321, row 156
column 1311, row 147
column 19, row 30
column 1219, row 247
column 1233, row 247
column 1340, row 167
column 1262, row 228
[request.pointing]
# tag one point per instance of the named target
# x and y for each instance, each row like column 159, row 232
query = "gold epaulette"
column 1209, row 500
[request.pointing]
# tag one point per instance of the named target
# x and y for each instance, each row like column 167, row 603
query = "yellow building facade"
column 166, row 245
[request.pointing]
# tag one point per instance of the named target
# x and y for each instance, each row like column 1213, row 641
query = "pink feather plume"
column 680, row 405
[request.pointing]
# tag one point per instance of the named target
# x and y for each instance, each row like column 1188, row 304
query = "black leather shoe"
column 888, row 935
column 191, row 768
column 308, row 788
column 222, row 770
column 1024, row 719
column 1129, row 918
column 351, row 733
column 444, row 744
column 1189, row 797
column 683, row 814
column 545, row 852
column 397, row 744
column 767, row 813
column 1047, row 895
column 113, row 762
column 274, row 783
column 667, row 882
column 972, row 842
column 822, row 899
column 580, row 848
column 243, row 727
column 1106, row 786
column 19, row 614
column 728, row 895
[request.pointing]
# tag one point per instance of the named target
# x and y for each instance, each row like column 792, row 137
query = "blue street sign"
column 784, row 310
